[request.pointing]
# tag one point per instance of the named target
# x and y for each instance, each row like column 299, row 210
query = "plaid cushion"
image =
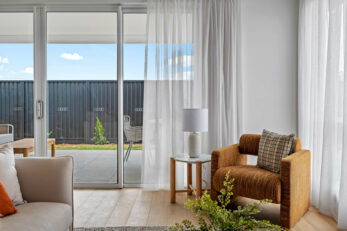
column 272, row 148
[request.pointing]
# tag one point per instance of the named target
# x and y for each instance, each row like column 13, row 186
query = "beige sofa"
column 46, row 184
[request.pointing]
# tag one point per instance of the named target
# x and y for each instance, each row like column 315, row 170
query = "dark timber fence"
column 72, row 108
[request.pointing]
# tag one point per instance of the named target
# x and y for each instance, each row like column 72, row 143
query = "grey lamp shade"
column 195, row 120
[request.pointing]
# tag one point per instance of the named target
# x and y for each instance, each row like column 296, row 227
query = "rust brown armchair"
column 290, row 188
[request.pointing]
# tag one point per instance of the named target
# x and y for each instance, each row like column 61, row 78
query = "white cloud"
column 1, row 67
column 186, row 61
column 73, row 56
column 3, row 60
column 28, row 70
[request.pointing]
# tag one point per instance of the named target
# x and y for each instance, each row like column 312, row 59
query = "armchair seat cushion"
column 39, row 216
column 250, row 181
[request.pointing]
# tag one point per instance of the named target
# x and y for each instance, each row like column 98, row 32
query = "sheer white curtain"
column 323, row 101
column 192, row 61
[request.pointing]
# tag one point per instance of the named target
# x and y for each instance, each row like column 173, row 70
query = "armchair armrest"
column 224, row 157
column 295, row 187
column 228, row 156
column 46, row 179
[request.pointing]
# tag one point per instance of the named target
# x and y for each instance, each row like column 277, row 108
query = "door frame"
column 40, row 70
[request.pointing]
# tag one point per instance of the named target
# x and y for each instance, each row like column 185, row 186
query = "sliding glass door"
column 62, row 85
column 16, row 77
column 82, row 92
column 134, row 72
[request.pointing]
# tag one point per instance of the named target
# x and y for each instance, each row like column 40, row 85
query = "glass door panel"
column 16, row 77
column 82, row 92
column 134, row 71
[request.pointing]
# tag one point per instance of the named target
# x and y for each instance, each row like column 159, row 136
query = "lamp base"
column 194, row 145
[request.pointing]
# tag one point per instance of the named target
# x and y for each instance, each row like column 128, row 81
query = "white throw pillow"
column 8, row 174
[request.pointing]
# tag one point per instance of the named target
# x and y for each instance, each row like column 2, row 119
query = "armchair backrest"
column 6, row 129
column 249, row 144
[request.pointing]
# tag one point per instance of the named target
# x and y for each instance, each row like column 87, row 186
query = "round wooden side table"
column 203, row 158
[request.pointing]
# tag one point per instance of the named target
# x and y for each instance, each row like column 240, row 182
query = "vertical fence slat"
column 72, row 109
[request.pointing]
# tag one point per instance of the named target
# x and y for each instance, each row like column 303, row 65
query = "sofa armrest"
column 46, row 179
column 295, row 187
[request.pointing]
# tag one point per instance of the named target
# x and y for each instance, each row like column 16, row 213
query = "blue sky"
column 87, row 61
column 73, row 61
column 19, row 59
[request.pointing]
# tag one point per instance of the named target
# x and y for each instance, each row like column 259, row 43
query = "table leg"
column 172, row 180
column 189, row 178
column 53, row 150
column 198, row 179
column 26, row 153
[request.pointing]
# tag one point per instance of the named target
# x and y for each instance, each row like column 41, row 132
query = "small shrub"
column 99, row 131
column 214, row 216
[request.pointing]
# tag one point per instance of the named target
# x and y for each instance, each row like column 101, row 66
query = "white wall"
column 269, row 65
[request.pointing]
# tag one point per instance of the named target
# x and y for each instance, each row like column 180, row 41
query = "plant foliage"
column 99, row 137
column 215, row 216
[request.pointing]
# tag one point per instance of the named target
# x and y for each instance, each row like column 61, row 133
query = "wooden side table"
column 204, row 158
column 25, row 146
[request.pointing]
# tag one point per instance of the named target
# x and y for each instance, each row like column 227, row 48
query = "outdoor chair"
column 6, row 133
column 133, row 134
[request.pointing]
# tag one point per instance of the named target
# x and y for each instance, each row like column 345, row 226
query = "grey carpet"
column 124, row 228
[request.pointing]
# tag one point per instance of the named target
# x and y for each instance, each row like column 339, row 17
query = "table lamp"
column 195, row 121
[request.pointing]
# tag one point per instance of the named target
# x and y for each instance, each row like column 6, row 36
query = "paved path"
column 100, row 166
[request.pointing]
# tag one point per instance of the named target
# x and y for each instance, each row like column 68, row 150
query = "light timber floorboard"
column 122, row 210
column 140, row 212
column 138, row 207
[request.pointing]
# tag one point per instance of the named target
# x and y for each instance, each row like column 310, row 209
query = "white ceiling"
column 73, row 28
column 46, row 2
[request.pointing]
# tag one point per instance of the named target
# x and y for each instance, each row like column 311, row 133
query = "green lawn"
column 94, row 147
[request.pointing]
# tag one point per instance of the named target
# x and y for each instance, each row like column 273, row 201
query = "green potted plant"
column 215, row 215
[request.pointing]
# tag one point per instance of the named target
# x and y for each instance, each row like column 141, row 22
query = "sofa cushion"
column 272, row 148
column 6, row 204
column 251, row 181
column 39, row 216
column 8, row 174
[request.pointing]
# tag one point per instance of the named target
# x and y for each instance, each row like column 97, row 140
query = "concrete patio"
column 100, row 166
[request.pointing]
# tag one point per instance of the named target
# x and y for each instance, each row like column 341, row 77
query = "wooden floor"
column 137, row 207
